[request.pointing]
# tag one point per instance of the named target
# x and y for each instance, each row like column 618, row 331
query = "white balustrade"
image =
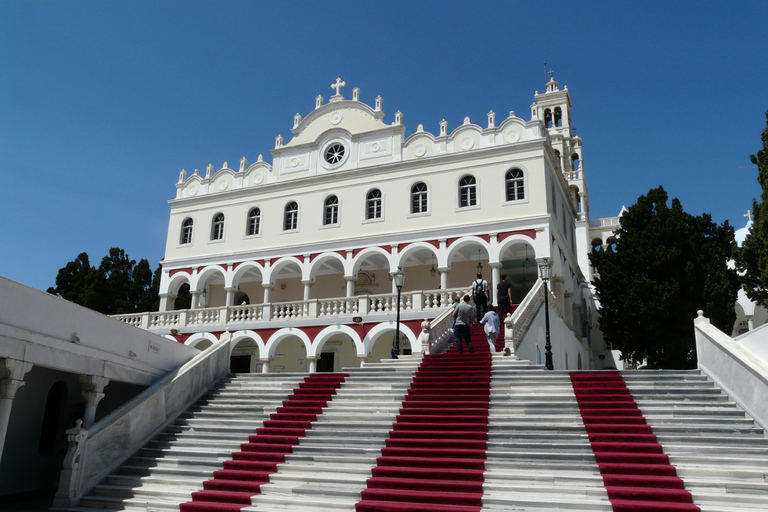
column 366, row 305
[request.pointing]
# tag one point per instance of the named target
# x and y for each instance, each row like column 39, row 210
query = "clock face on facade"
column 334, row 153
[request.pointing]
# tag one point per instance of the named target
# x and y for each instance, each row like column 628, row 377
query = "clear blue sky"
column 103, row 103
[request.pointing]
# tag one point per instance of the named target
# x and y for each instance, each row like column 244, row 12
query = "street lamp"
column 399, row 277
column 545, row 271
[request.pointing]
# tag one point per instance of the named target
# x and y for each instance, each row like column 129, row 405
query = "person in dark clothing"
column 464, row 315
column 480, row 295
column 504, row 297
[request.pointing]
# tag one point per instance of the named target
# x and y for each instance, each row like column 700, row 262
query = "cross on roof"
column 551, row 74
column 338, row 85
column 748, row 215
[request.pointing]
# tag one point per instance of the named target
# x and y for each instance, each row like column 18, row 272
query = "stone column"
column 496, row 279
column 166, row 302
column 351, row 281
column 312, row 364
column 195, row 300
column 264, row 364
column 93, row 392
column 268, row 289
column 12, row 373
column 363, row 360
column 307, row 289
column 230, row 296
column 444, row 277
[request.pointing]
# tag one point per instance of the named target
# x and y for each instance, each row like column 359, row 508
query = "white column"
column 268, row 288
column 351, row 281
column 93, row 392
column 166, row 302
column 307, row 289
column 195, row 300
column 312, row 364
column 230, row 296
column 264, row 364
column 363, row 360
column 444, row 277
column 14, row 371
column 496, row 278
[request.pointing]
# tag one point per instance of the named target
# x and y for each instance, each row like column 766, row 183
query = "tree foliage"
column 666, row 265
column 752, row 257
column 118, row 285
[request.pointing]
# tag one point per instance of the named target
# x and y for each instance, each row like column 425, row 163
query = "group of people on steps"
column 465, row 315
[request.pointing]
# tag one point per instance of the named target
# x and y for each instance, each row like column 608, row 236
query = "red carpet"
column 636, row 473
column 435, row 456
column 232, row 487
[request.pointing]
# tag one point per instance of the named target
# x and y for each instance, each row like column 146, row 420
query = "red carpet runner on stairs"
column 636, row 473
column 232, row 487
column 434, row 458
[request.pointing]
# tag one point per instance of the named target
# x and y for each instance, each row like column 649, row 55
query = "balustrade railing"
column 364, row 305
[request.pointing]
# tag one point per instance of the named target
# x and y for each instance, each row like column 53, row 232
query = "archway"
column 245, row 357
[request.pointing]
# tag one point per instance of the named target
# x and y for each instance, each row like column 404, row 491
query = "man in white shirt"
column 491, row 324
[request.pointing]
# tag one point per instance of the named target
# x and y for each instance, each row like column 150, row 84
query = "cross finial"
column 338, row 85
column 748, row 215
column 551, row 74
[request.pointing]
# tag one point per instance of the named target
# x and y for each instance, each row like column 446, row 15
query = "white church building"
column 295, row 257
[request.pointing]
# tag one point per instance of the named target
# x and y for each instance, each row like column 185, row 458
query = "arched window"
column 467, row 192
column 217, row 227
column 419, row 198
column 558, row 116
column 254, row 222
column 576, row 161
column 186, row 231
column 331, row 211
column 291, row 219
column 373, row 204
column 515, row 181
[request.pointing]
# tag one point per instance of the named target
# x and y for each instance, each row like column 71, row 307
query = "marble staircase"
column 538, row 455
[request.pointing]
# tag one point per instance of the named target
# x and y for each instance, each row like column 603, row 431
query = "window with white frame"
column 467, row 192
column 419, row 198
column 515, row 182
column 331, row 211
column 373, row 204
column 217, row 227
column 291, row 218
column 186, row 231
column 254, row 222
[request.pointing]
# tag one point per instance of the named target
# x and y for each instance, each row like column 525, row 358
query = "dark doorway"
column 240, row 364
column 325, row 363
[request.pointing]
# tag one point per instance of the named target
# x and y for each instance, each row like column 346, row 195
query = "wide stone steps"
column 538, row 456
column 169, row 468
column 329, row 467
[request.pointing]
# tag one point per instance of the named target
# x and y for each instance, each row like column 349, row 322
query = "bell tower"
column 553, row 107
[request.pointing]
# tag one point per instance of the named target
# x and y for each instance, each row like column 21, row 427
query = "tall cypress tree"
column 752, row 257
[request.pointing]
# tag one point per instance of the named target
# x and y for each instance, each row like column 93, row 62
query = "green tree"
column 117, row 286
column 666, row 265
column 752, row 257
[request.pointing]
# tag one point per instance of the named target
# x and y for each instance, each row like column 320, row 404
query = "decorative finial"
column 338, row 85
column 748, row 215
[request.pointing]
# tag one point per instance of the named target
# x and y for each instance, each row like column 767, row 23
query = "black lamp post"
column 545, row 271
column 399, row 277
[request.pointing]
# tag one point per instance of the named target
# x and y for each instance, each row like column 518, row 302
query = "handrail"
column 96, row 452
